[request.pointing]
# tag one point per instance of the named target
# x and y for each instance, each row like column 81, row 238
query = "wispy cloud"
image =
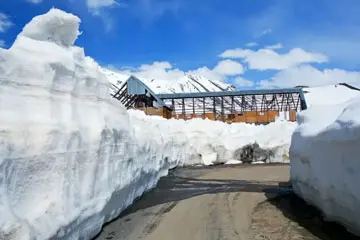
column 146, row 10
column 34, row 1
column 275, row 46
column 251, row 44
column 150, row 10
column 5, row 22
column 95, row 5
column 101, row 9
column 265, row 32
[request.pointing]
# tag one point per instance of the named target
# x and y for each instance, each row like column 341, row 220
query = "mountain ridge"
column 185, row 84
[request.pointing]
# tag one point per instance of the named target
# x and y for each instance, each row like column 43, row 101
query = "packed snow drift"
column 324, row 153
column 72, row 158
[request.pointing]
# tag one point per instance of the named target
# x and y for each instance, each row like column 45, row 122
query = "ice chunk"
column 55, row 26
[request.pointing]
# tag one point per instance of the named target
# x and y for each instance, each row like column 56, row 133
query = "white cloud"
column 207, row 73
column 157, row 70
column 97, row 4
column 251, row 44
column 309, row 76
column 266, row 31
column 276, row 46
column 265, row 59
column 242, row 82
column 166, row 72
column 149, row 10
column 5, row 22
column 99, row 8
column 2, row 43
column 229, row 68
column 34, row 1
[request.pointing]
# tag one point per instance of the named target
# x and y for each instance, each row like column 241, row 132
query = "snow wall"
column 72, row 158
column 325, row 166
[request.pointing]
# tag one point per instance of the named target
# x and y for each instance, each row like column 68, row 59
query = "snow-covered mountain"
column 187, row 83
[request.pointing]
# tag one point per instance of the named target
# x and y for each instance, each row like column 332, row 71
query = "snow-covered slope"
column 185, row 83
column 71, row 157
column 324, row 153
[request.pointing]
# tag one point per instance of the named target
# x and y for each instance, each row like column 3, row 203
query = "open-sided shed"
column 135, row 94
column 255, row 106
column 252, row 106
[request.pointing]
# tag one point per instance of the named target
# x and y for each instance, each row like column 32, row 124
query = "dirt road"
column 229, row 202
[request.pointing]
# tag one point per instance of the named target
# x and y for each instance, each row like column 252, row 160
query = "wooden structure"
column 135, row 94
column 251, row 106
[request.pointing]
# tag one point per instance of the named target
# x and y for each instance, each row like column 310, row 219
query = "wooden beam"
column 125, row 99
column 214, row 108
column 183, row 107
column 222, row 109
column 129, row 99
column 204, row 107
column 253, row 102
column 232, row 105
column 297, row 103
column 282, row 102
column 132, row 100
column 293, row 101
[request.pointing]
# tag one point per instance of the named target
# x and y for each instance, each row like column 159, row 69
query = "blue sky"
column 193, row 34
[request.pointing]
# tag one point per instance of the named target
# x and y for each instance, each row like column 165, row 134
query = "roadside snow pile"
column 218, row 142
column 71, row 158
column 324, row 153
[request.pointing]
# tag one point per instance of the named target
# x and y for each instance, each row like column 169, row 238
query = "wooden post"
column 222, row 109
column 214, row 108
column 297, row 103
column 203, row 108
column 183, row 108
column 232, row 104
column 282, row 102
column 293, row 101
column 253, row 102
column 242, row 103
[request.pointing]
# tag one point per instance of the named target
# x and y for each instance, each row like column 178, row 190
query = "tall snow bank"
column 325, row 167
column 71, row 158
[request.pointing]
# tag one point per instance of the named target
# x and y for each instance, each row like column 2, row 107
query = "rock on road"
column 214, row 203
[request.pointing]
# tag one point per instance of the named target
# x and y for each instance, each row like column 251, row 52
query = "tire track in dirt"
column 156, row 220
column 236, row 198
column 235, row 233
